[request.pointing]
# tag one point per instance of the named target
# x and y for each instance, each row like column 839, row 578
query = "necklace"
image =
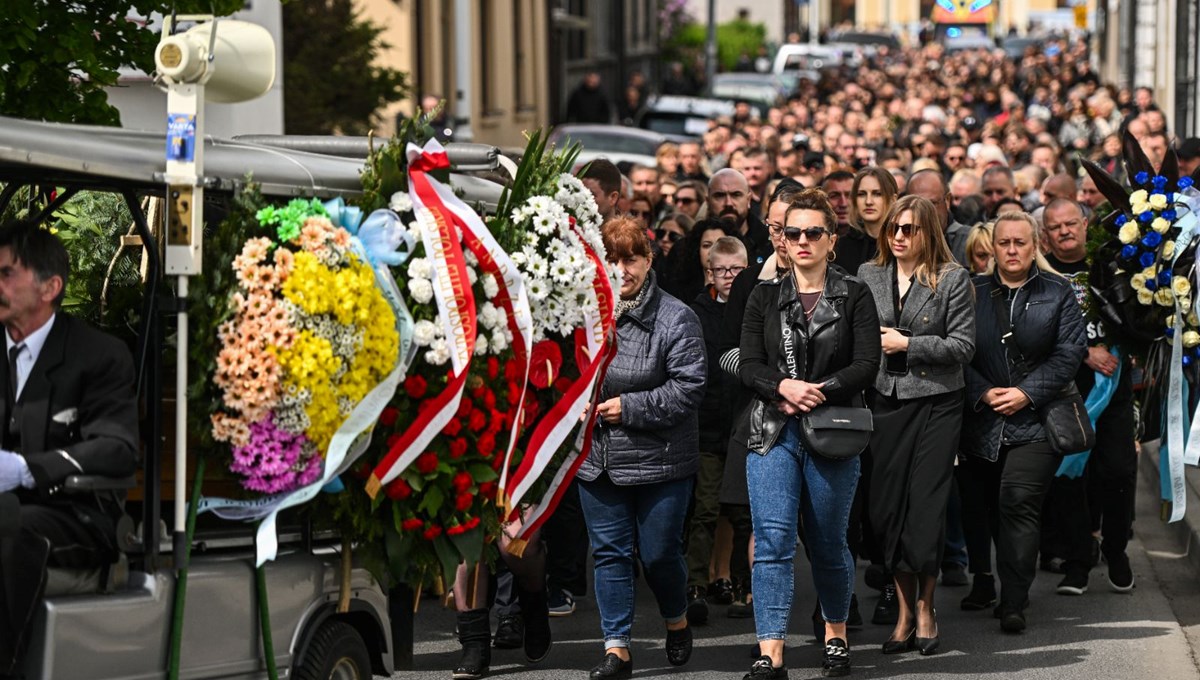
column 808, row 311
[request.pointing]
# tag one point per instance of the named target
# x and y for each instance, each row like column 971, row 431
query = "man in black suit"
column 68, row 408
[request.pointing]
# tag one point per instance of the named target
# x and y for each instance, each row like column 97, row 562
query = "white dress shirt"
column 29, row 354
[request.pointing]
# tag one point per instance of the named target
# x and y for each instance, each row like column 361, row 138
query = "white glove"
column 14, row 472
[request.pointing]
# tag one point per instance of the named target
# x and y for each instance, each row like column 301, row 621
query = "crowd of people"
column 906, row 238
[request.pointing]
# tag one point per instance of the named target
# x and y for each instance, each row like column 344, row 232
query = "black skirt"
column 912, row 450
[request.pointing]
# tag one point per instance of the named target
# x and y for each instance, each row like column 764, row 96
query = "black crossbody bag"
column 1064, row 418
column 833, row 432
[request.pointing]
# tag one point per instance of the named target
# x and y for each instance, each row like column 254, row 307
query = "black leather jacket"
column 840, row 347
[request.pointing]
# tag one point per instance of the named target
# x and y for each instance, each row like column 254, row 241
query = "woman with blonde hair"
column 979, row 248
column 667, row 158
column 927, row 329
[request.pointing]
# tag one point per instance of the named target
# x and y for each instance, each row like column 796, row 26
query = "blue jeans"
column 651, row 517
column 783, row 483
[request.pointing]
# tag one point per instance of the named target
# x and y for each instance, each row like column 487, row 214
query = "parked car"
column 803, row 57
column 1014, row 47
column 967, row 43
column 622, row 145
column 858, row 45
column 685, row 117
column 760, row 93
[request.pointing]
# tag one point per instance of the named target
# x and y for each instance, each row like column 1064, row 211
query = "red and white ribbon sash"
column 456, row 311
column 563, row 417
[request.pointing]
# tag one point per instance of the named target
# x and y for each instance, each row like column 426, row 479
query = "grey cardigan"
column 942, row 325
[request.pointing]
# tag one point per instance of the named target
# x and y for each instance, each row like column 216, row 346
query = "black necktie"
column 13, row 353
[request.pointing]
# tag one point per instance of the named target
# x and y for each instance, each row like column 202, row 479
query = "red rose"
column 388, row 417
column 456, row 530
column 464, row 408
column 477, row 421
column 478, row 392
column 512, row 370
column 486, row 445
column 488, row 489
column 532, row 409
column 453, row 427
column 462, row 481
column 471, row 523
column 412, row 524
column 432, row 532
column 489, row 399
column 513, row 392
column 495, row 421
column 563, row 384
column 393, row 440
column 493, row 368
column 415, row 386
column 463, row 501
column 458, row 447
column 427, row 462
column 545, row 361
column 398, row 489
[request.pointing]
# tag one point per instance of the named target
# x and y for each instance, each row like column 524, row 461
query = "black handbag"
column 833, row 432
column 1065, row 417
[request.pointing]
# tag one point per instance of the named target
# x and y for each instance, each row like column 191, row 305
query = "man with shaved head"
column 729, row 200
column 1112, row 466
column 998, row 184
column 1061, row 185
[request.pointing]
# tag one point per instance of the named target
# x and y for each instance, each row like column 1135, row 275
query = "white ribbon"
column 1175, row 438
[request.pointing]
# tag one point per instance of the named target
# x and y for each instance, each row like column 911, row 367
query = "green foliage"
column 57, row 57
column 733, row 39
column 331, row 83
column 537, row 175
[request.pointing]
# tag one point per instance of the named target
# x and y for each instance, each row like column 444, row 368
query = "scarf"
column 626, row 305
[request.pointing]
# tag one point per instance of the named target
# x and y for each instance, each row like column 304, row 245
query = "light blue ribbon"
column 1165, row 489
column 346, row 216
column 1098, row 398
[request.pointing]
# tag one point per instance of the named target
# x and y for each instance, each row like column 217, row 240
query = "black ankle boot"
column 475, row 636
column 536, row 614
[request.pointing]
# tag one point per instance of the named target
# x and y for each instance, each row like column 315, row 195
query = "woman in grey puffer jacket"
column 636, row 483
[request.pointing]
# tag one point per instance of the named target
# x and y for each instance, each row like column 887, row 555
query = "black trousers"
column 1002, row 502
column 50, row 536
column 567, row 545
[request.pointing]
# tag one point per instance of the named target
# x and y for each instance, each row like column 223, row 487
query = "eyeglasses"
column 672, row 236
column 956, row 158
column 811, row 233
column 775, row 230
column 906, row 229
column 725, row 271
column 686, row 200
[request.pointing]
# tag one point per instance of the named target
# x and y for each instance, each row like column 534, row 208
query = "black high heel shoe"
column 929, row 645
column 901, row 646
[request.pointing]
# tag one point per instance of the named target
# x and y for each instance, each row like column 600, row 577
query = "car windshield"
column 616, row 143
column 675, row 124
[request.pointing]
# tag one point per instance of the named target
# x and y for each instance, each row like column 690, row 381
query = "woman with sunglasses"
column 810, row 336
column 670, row 231
column 641, row 208
column 927, row 316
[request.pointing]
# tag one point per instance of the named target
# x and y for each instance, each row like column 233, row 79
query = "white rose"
column 1129, row 233
column 1139, row 208
column 1160, row 225
column 1138, row 281
column 1193, row 319
column 424, row 332
column 481, row 345
column 400, row 202
column 1191, row 339
column 1168, row 249
column 1180, row 286
column 472, row 276
column 499, row 342
column 421, row 290
column 470, row 258
column 1164, row 297
column 1158, row 201
column 420, row 268
column 1139, row 196
column 1145, row 297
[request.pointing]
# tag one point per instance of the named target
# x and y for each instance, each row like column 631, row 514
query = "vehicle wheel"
column 337, row 652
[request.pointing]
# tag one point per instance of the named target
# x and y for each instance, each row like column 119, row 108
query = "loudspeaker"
column 242, row 64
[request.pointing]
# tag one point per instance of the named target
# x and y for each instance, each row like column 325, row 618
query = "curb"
column 1186, row 532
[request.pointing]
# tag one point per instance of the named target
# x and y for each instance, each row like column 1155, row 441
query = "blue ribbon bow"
column 1098, row 398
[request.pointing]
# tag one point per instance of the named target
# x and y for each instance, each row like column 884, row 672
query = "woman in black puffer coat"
column 1008, row 464
column 636, row 483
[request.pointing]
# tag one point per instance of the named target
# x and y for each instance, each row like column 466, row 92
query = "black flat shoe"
column 887, row 611
column 679, row 646
column 982, row 595
column 901, row 646
column 763, row 670
column 612, row 667
column 837, row 659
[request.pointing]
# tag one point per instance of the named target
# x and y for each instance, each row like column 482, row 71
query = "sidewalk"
column 1186, row 532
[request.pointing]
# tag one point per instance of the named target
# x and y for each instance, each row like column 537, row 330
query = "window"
column 486, row 60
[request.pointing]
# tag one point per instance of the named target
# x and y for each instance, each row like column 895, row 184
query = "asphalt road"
column 1152, row 633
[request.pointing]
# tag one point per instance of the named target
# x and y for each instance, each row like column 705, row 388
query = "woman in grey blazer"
column 927, row 328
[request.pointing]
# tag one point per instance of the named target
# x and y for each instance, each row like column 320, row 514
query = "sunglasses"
column 672, row 236
column 686, row 200
column 811, row 233
column 725, row 271
column 906, row 229
column 956, row 158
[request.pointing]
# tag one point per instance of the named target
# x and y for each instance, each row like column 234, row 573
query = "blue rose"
column 1142, row 177
column 1152, row 239
column 1121, row 220
column 1151, row 285
column 1187, row 360
column 1129, row 252
column 1169, row 214
column 1171, row 333
column 1185, row 182
column 1164, row 278
column 1146, row 216
column 1146, row 260
column 1159, row 181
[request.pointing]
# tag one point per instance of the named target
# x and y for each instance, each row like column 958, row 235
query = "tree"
column 57, row 58
column 330, row 81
